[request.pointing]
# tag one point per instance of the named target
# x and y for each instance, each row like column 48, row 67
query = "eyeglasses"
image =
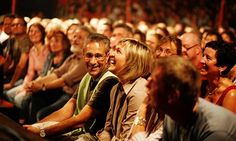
column 188, row 48
column 17, row 24
column 166, row 51
column 97, row 56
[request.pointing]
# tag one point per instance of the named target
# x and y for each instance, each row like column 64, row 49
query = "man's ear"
column 173, row 97
column 198, row 50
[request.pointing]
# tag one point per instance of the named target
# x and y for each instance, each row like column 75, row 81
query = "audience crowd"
column 108, row 77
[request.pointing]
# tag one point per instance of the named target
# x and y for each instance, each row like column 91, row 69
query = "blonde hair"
column 138, row 60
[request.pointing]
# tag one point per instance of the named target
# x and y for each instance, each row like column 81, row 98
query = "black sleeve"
column 100, row 100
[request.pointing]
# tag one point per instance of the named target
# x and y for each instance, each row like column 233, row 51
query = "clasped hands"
column 33, row 86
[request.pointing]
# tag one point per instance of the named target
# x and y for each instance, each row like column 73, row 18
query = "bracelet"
column 43, row 87
column 140, row 121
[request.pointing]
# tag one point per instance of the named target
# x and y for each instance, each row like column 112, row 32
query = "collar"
column 128, row 86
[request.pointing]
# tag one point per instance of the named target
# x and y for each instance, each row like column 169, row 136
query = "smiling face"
column 56, row 43
column 117, row 59
column 35, row 34
column 96, row 58
column 209, row 68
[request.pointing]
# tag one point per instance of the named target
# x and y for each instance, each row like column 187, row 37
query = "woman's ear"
column 222, row 69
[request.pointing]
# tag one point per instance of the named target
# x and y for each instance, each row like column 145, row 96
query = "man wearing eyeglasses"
column 191, row 48
column 86, row 110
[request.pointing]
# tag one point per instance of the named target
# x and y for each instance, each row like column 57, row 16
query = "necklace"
column 211, row 92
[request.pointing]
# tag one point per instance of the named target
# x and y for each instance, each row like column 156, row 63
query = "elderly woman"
column 130, row 60
column 218, row 59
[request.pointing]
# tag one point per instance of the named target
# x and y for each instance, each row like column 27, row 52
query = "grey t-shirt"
column 211, row 123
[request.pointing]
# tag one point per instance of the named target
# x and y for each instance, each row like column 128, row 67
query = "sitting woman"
column 148, row 122
column 218, row 59
column 37, row 57
column 59, row 47
column 130, row 60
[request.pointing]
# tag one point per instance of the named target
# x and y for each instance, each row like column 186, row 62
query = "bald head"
column 190, row 38
column 191, row 47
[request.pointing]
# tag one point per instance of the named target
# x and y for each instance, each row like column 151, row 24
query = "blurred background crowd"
column 191, row 13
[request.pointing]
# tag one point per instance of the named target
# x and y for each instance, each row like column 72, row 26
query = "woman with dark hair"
column 218, row 59
column 37, row 56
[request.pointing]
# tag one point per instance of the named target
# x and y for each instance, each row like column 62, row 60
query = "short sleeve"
column 101, row 97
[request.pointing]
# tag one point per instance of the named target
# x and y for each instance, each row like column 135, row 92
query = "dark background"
column 30, row 7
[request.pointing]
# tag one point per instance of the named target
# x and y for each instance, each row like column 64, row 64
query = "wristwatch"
column 42, row 133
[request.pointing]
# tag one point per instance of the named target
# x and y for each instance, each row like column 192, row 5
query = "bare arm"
column 70, row 123
column 19, row 68
column 65, row 112
column 230, row 101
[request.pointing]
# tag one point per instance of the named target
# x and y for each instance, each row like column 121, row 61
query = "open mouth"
column 203, row 69
column 111, row 61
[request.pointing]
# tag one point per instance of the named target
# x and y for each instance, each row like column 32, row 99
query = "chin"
column 111, row 68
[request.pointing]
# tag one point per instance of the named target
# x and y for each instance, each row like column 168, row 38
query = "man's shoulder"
column 210, row 115
column 109, row 80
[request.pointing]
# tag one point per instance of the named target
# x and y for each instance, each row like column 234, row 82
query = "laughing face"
column 117, row 59
column 209, row 68
column 95, row 58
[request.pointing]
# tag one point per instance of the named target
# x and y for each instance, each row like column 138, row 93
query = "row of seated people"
column 122, row 91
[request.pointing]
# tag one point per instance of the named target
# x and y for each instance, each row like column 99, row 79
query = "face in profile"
column 78, row 41
column 117, row 59
column 151, row 41
column 95, row 57
column 155, row 91
column 208, row 62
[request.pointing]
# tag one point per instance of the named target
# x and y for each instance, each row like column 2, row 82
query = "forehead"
column 7, row 20
column 95, row 47
column 188, row 40
column 73, row 27
column 120, row 30
column 34, row 27
column 209, row 50
column 81, row 32
column 168, row 45
column 18, row 20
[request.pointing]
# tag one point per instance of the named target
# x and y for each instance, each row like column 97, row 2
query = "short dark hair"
column 225, row 54
column 100, row 38
column 21, row 18
column 125, row 26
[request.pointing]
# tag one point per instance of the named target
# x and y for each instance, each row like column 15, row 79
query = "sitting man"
column 174, row 88
column 87, row 109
